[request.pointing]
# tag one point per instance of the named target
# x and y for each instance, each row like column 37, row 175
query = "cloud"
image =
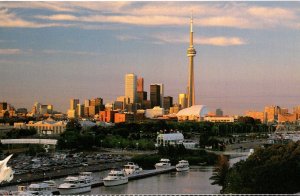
column 84, row 53
column 10, row 20
column 127, row 37
column 221, row 41
column 264, row 12
column 11, row 51
column 218, row 14
column 215, row 41
column 60, row 17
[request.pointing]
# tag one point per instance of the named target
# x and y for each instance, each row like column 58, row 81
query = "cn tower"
column 191, row 52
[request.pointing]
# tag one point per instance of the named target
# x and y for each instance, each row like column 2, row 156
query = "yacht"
column 131, row 168
column 75, row 185
column 163, row 164
column 53, row 186
column 34, row 189
column 115, row 177
column 183, row 165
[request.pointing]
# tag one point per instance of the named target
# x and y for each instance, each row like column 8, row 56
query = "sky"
column 248, row 53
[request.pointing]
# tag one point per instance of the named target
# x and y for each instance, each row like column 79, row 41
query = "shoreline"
column 54, row 174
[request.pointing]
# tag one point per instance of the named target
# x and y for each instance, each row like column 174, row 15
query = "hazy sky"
column 248, row 53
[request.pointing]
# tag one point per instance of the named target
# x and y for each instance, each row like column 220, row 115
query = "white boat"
column 53, row 186
column 115, row 177
column 36, row 189
column 163, row 164
column 183, row 165
column 75, row 185
column 131, row 168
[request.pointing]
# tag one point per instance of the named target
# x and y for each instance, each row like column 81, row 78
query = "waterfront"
column 194, row 181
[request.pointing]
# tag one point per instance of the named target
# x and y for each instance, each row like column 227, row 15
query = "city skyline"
column 248, row 56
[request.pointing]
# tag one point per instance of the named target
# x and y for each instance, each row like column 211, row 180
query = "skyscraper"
column 168, row 102
column 73, row 104
column 130, row 87
column 191, row 52
column 182, row 100
column 140, row 84
column 155, row 95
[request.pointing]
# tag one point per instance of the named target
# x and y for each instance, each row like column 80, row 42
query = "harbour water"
column 194, row 181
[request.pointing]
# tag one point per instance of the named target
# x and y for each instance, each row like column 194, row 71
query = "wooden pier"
column 141, row 174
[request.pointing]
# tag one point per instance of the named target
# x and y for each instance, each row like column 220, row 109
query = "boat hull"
column 115, row 182
column 182, row 169
column 69, row 191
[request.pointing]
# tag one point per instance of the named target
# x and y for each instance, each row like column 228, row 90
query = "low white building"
column 219, row 118
column 155, row 112
column 169, row 138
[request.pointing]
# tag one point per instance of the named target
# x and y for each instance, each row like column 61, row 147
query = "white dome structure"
column 193, row 113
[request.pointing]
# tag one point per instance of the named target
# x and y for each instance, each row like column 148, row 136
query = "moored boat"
column 115, row 177
column 75, row 185
column 163, row 164
column 132, row 168
column 182, row 165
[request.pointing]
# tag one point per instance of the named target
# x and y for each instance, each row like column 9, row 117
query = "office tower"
column 86, row 103
column 3, row 106
column 219, row 112
column 146, row 104
column 49, row 109
column 140, row 84
column 96, row 102
column 73, row 104
column 130, row 87
column 37, row 106
column 191, row 52
column 155, row 95
column 124, row 100
column 161, row 93
column 44, row 109
column 168, row 102
column 272, row 113
column 80, row 110
column 296, row 110
column 141, row 96
column 182, row 100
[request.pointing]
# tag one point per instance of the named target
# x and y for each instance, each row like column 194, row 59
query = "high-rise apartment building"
column 140, row 84
column 182, row 100
column 155, row 95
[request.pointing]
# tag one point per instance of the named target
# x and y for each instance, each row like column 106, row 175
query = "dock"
column 142, row 174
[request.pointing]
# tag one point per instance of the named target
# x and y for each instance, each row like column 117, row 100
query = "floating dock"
column 141, row 174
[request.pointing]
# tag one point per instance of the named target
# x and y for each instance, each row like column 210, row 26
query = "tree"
column 73, row 125
column 275, row 169
column 220, row 171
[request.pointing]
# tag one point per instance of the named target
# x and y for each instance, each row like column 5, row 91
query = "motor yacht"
column 132, row 168
column 75, row 185
column 115, row 177
column 34, row 189
column 182, row 165
column 163, row 164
